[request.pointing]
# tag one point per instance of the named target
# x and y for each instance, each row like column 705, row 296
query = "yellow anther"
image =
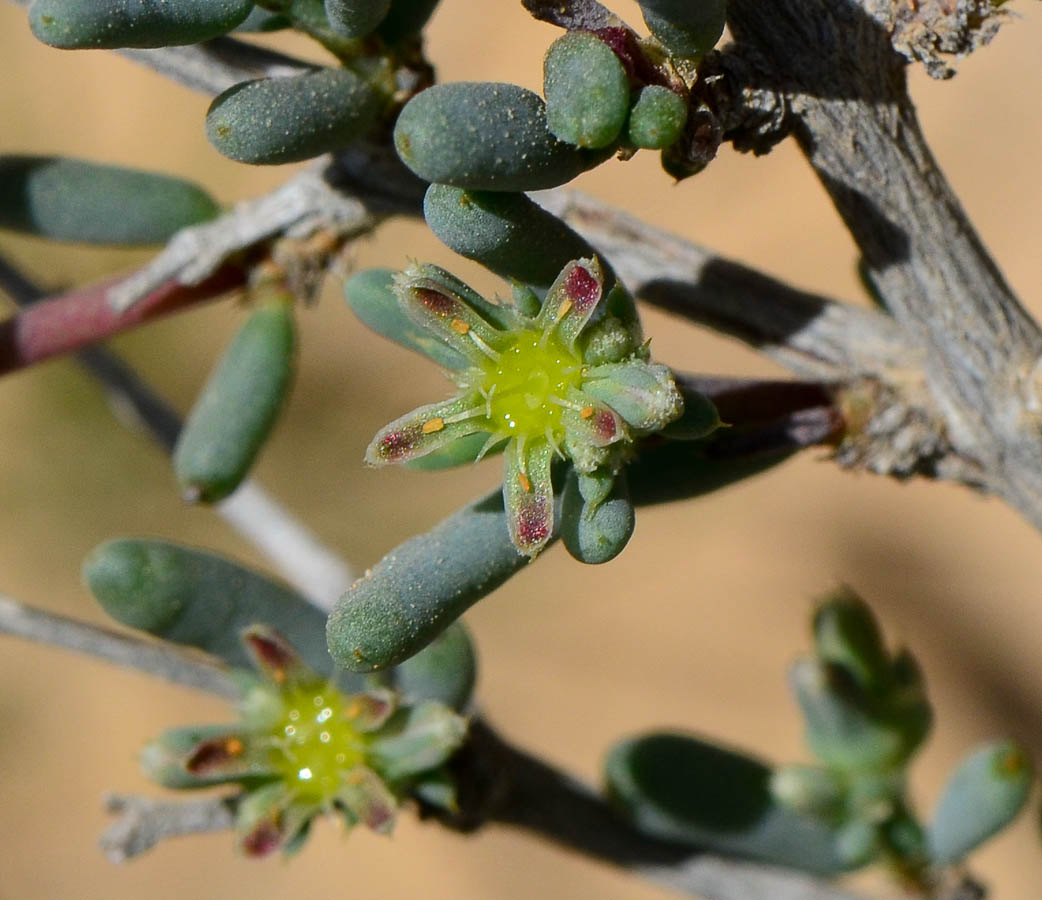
column 586, row 412
column 526, row 484
column 234, row 747
column 459, row 326
column 563, row 309
column 432, row 425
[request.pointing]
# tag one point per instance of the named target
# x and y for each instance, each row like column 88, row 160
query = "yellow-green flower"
column 558, row 379
column 303, row 748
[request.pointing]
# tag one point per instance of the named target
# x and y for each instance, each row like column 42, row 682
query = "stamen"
column 459, row 326
column 521, row 453
column 483, row 347
column 493, row 439
column 567, row 404
column 234, row 747
column 433, row 425
column 586, row 412
column 553, row 442
column 471, row 413
column 526, row 484
column 564, row 309
column 488, row 399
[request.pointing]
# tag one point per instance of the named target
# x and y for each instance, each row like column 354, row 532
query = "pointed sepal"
column 426, row 430
column 439, row 307
column 276, row 658
column 369, row 712
column 528, row 495
column 201, row 756
column 643, row 393
column 270, row 818
column 368, row 800
column 420, row 738
column 572, row 300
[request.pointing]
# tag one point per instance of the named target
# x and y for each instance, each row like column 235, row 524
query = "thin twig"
column 809, row 334
column 163, row 660
column 82, row 316
column 311, row 567
column 304, row 204
column 143, row 822
column 217, row 65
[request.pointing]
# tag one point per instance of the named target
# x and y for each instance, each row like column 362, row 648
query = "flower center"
column 315, row 743
column 524, row 386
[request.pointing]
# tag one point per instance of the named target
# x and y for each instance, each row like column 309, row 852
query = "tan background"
column 693, row 626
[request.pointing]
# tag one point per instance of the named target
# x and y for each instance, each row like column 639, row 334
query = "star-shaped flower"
column 304, row 748
column 565, row 378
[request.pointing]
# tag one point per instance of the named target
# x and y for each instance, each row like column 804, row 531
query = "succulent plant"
column 530, row 383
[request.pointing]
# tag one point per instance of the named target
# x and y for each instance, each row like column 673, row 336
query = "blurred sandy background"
column 692, row 627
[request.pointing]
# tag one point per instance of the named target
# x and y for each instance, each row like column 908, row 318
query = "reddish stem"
column 83, row 316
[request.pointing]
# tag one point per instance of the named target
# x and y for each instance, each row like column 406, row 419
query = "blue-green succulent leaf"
column 681, row 789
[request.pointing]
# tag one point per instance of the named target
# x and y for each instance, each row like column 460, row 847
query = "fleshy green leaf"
column 418, row 589
column 194, row 598
column 686, row 27
column 587, row 90
column 507, row 233
column 445, row 670
column 657, row 118
column 356, row 18
column 986, row 792
column 75, row 200
column 238, row 407
column 109, row 24
column 271, row 121
column 681, row 789
column 485, row 136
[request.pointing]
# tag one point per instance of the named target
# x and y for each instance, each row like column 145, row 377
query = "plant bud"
column 486, row 136
column 75, row 200
column 595, row 529
column 657, row 119
column 850, row 731
column 237, row 409
column 587, row 90
column 280, row 120
column 847, row 634
column 112, row 24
